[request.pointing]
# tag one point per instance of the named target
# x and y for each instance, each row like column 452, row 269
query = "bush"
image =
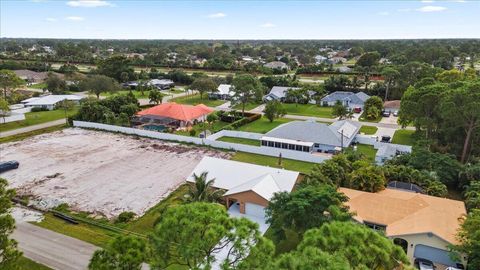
column 192, row 132
column 125, row 217
column 39, row 109
column 250, row 118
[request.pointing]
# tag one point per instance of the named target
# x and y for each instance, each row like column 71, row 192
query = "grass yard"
column 288, row 164
column 239, row 140
column 88, row 233
column 137, row 94
column 368, row 130
column 25, row 135
column 263, row 125
column 34, row 118
column 367, row 150
column 248, row 106
column 25, row 263
column 38, row 86
column 308, row 110
column 404, row 136
column 195, row 99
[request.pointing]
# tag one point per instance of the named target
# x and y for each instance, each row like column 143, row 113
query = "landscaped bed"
column 100, row 172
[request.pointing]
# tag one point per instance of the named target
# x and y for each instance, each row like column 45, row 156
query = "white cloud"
column 89, row 3
column 383, row 13
column 217, row 15
column 74, row 18
column 268, row 25
column 51, row 19
column 431, row 9
column 427, row 1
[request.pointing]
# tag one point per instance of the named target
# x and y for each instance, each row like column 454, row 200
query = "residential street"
column 32, row 128
column 52, row 249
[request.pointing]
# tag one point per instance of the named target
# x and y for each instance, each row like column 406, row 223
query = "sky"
column 235, row 20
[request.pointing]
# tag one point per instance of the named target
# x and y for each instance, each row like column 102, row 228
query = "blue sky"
column 240, row 19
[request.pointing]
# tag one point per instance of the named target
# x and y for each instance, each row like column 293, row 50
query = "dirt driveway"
column 100, row 172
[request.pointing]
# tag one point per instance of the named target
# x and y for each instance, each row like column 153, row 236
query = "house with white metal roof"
column 223, row 92
column 348, row 99
column 311, row 136
column 248, row 186
column 49, row 102
column 161, row 84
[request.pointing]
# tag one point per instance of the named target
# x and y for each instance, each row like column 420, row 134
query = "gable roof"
column 280, row 91
column 314, row 132
column 50, row 100
column 358, row 98
column 406, row 213
column 236, row 177
column 177, row 111
column 276, row 64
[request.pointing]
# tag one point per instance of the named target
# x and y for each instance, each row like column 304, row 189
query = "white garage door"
column 256, row 210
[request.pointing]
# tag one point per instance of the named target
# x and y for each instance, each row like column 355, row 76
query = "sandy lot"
column 100, row 172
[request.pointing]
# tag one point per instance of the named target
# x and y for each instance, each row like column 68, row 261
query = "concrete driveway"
column 389, row 120
column 382, row 131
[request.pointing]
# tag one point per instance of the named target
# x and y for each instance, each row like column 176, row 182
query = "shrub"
column 39, row 109
column 125, row 217
column 192, row 132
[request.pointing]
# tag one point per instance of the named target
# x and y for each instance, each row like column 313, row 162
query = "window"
column 264, row 143
column 285, row 145
column 291, row 146
column 271, row 144
column 375, row 226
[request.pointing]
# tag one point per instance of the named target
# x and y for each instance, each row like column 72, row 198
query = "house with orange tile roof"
column 172, row 115
column 423, row 225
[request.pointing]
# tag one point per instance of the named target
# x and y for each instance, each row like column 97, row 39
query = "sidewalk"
column 32, row 128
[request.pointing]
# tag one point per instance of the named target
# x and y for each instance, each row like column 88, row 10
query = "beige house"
column 423, row 225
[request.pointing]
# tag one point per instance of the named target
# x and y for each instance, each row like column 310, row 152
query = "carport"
column 435, row 255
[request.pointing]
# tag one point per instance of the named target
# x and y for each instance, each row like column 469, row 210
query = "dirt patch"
column 100, row 172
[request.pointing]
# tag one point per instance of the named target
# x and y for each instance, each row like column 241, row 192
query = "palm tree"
column 203, row 190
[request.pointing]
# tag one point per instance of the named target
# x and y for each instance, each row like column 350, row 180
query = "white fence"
column 371, row 140
column 236, row 134
column 210, row 141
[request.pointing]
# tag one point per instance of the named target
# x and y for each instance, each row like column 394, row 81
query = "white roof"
column 224, row 89
column 51, row 99
column 236, row 177
column 29, row 100
column 348, row 129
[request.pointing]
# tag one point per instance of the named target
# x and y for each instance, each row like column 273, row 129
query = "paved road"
column 32, row 128
column 52, row 249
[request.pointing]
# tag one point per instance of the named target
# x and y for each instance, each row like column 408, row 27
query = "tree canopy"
column 8, row 246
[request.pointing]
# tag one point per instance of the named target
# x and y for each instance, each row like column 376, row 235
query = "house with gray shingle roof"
column 278, row 93
column 311, row 136
column 276, row 65
column 349, row 99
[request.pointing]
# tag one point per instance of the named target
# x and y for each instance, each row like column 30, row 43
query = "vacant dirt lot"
column 100, row 172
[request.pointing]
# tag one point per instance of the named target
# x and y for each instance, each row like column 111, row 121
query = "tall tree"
column 309, row 258
column 462, row 105
column 114, row 67
column 66, row 106
column 193, row 234
column 4, row 108
column 246, row 88
column 203, row 85
column 202, row 190
column 274, row 109
column 469, row 239
column 390, row 75
column 98, row 84
column 155, row 96
column 9, row 81
column 363, row 247
column 8, row 247
column 122, row 253
column 305, row 208
column 55, row 84
column 341, row 111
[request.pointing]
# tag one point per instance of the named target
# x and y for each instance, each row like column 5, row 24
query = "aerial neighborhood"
column 237, row 154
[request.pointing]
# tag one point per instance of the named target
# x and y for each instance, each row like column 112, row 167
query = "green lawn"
column 137, row 94
column 248, row 106
column 34, row 118
column 404, row 136
column 26, row 264
column 195, row 99
column 367, row 150
column 288, row 164
column 368, row 130
column 308, row 110
column 88, row 233
column 38, row 86
column 263, row 125
column 240, row 140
